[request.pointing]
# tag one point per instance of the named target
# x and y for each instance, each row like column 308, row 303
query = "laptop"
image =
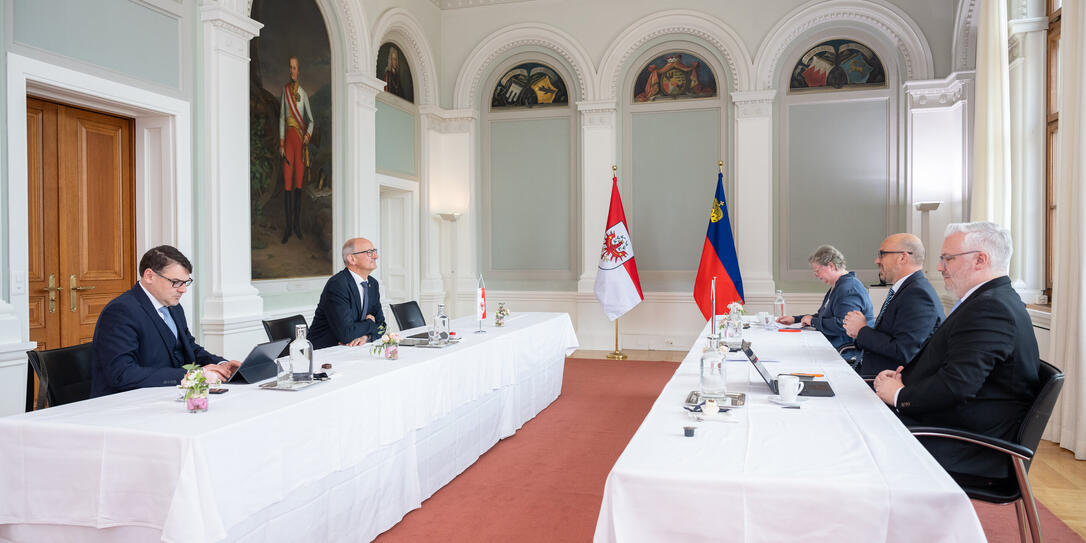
column 810, row 388
column 260, row 364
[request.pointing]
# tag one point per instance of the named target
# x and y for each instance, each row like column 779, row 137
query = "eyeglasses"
column 884, row 253
column 370, row 252
column 176, row 283
column 947, row 258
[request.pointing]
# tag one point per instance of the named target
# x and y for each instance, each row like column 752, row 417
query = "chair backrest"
column 64, row 374
column 408, row 315
column 1029, row 434
column 283, row 328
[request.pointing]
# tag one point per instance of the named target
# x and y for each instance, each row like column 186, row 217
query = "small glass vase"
column 392, row 352
column 196, row 402
column 499, row 315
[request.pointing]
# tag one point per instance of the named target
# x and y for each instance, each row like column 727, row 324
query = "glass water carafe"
column 441, row 324
column 301, row 355
column 714, row 382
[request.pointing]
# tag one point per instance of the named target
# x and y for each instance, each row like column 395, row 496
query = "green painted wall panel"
column 675, row 156
column 118, row 35
column 396, row 141
column 530, row 195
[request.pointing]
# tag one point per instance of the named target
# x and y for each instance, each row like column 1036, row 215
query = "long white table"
column 342, row 460
column 838, row 469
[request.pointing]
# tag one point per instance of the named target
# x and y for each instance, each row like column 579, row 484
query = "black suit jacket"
column 908, row 321
column 340, row 317
column 133, row 347
column 978, row 372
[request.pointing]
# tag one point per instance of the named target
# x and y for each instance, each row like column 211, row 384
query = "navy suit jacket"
column 340, row 317
column 978, row 372
column 133, row 347
column 908, row 321
column 847, row 294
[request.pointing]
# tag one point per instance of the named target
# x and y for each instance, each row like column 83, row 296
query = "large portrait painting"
column 529, row 84
column 674, row 76
column 835, row 65
column 393, row 69
column 290, row 141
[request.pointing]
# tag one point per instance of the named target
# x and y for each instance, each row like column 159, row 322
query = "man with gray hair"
column 979, row 371
column 909, row 316
column 349, row 312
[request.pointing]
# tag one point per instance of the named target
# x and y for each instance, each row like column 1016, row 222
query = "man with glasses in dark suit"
column 909, row 316
column 142, row 339
column 349, row 312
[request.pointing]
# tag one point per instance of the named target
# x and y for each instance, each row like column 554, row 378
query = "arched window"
column 675, row 128
column 839, row 154
column 529, row 181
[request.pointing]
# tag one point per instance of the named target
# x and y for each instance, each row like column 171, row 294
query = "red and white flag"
column 480, row 300
column 617, row 286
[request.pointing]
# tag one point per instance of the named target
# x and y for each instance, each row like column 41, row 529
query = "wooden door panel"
column 42, row 223
column 97, row 243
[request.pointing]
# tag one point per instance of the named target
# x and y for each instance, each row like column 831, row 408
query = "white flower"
column 384, row 338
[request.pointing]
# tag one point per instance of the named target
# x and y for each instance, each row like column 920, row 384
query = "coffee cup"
column 789, row 387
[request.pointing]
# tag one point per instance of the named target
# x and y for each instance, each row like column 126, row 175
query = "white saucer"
column 777, row 400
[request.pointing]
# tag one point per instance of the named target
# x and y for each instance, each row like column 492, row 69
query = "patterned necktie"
column 885, row 303
column 169, row 320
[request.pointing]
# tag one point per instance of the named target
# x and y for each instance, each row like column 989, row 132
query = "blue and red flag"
column 718, row 259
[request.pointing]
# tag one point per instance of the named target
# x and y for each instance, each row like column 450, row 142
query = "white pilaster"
column 753, row 208
column 598, row 145
column 1028, row 136
column 938, row 144
column 232, row 307
column 446, row 193
column 598, row 140
column 360, row 211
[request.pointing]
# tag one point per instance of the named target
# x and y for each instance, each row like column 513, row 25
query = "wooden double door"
column 81, row 218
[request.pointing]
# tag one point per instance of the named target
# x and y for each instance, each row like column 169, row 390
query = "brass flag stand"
column 616, row 354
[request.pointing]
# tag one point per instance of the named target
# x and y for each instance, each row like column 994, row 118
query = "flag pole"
column 720, row 165
column 616, row 354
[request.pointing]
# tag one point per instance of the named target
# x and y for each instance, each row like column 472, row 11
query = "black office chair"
column 284, row 328
column 64, row 375
column 1015, row 488
column 408, row 315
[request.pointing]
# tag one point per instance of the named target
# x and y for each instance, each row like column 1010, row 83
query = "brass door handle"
column 74, row 290
column 52, row 289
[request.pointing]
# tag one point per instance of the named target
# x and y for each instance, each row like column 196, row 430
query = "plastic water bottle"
column 778, row 305
column 301, row 355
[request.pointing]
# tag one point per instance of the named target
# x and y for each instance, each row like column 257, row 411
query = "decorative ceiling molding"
column 460, row 4
column 676, row 23
column 350, row 31
column 505, row 42
column 399, row 26
column 964, row 49
column 880, row 16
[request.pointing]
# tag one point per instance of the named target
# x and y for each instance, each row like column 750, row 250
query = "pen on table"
column 807, row 374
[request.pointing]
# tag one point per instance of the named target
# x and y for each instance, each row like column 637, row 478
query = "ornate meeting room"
column 618, row 271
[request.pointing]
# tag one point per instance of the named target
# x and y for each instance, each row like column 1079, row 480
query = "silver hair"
column 826, row 255
column 348, row 249
column 988, row 237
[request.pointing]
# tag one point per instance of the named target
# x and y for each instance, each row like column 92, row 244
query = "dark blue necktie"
column 885, row 303
column 362, row 286
column 169, row 320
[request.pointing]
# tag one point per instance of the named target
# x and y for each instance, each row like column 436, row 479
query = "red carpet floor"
column 545, row 483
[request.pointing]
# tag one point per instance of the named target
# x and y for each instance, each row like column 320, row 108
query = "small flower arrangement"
column 388, row 346
column 500, row 314
column 195, row 385
column 736, row 309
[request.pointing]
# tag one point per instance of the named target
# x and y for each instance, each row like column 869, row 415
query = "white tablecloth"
column 838, row 469
column 341, row 460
